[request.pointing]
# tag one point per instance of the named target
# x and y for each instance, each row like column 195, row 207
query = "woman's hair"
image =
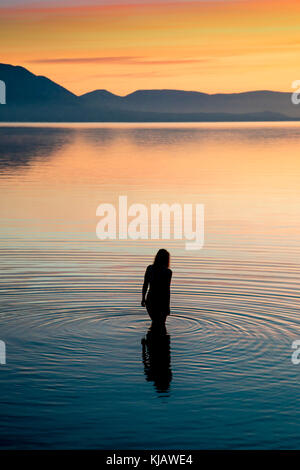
column 162, row 258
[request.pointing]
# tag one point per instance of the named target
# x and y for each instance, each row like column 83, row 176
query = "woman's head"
column 162, row 258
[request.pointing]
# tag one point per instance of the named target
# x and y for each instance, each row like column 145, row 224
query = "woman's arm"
column 145, row 286
column 169, row 294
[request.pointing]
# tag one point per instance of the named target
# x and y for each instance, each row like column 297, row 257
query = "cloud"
column 171, row 61
column 74, row 3
column 115, row 60
column 84, row 60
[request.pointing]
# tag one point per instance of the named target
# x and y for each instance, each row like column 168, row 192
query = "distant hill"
column 25, row 87
column 101, row 98
column 35, row 98
column 191, row 102
column 31, row 97
column 177, row 101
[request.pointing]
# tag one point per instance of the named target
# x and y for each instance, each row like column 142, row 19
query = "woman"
column 158, row 279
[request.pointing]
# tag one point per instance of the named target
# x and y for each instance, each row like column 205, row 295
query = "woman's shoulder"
column 160, row 268
column 168, row 271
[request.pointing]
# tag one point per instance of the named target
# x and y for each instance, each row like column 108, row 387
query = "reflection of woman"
column 158, row 279
column 157, row 357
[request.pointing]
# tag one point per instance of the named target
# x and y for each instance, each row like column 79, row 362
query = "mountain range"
column 33, row 98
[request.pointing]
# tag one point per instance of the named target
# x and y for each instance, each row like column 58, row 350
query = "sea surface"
column 82, row 368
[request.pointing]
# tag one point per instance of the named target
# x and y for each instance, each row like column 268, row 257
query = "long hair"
column 162, row 258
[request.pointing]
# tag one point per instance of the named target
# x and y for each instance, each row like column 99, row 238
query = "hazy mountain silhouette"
column 23, row 86
column 177, row 101
column 101, row 98
column 35, row 98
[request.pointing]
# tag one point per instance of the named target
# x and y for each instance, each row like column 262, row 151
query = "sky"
column 210, row 46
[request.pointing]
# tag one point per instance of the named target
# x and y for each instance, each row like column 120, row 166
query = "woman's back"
column 156, row 287
column 159, row 278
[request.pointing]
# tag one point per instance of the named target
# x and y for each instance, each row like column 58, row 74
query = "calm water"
column 78, row 372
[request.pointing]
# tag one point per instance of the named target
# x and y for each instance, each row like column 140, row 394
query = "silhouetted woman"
column 158, row 279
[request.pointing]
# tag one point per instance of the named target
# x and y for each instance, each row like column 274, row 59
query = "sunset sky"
column 210, row 46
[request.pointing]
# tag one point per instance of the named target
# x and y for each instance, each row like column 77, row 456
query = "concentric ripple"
column 231, row 310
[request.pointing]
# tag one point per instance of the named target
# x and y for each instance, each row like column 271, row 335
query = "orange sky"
column 210, row 46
